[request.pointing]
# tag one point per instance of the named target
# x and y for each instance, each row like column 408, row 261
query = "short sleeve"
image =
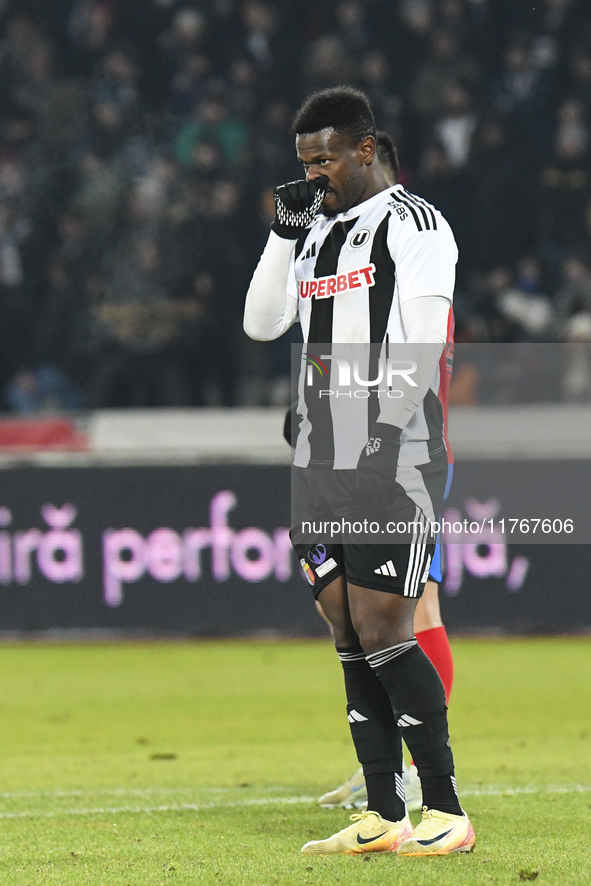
column 425, row 260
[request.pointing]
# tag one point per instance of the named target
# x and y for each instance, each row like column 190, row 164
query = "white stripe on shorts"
column 417, row 556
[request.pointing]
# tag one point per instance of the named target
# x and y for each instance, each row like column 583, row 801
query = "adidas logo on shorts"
column 386, row 569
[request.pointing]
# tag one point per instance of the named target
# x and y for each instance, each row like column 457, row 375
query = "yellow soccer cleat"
column 369, row 833
column 440, row 833
column 352, row 793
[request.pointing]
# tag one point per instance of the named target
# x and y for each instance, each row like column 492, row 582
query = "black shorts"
column 396, row 569
column 392, row 567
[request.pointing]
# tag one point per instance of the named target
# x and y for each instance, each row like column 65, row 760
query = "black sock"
column 440, row 792
column 418, row 700
column 385, row 794
column 375, row 735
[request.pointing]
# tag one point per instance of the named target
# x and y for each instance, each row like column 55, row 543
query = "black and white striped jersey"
column 350, row 275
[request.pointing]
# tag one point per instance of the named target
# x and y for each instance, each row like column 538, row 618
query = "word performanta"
column 58, row 552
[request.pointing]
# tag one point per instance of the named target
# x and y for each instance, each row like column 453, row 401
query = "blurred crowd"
column 140, row 142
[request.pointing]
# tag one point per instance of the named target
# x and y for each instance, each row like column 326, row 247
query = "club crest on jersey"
column 326, row 287
column 359, row 239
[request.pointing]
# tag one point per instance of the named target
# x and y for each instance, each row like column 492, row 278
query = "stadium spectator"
column 353, row 28
column 446, row 65
column 15, row 304
column 565, row 192
column 328, row 63
column 63, row 346
column 524, row 303
column 579, row 84
column 573, row 298
column 455, row 125
column 272, row 153
column 502, row 228
column 138, row 325
column 90, row 29
column 213, row 122
column 411, row 21
column 99, row 192
column 375, row 80
column 521, row 93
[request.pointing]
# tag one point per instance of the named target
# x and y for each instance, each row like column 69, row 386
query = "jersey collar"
column 366, row 206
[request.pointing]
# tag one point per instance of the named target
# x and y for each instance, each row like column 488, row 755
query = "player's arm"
column 425, row 322
column 270, row 308
column 425, row 267
column 425, row 271
column 271, row 303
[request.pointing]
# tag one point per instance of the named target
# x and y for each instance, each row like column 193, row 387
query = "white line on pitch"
column 111, row 792
column 474, row 791
column 492, row 791
column 181, row 807
column 269, row 801
column 119, row 792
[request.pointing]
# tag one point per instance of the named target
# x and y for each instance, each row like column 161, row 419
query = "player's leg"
column 382, row 614
column 378, row 743
column 375, row 736
column 384, row 623
column 352, row 793
column 378, row 610
column 332, row 603
column 428, row 612
column 429, row 628
column 432, row 636
column 433, row 640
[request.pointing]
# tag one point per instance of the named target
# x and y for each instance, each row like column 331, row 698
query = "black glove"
column 375, row 479
column 296, row 204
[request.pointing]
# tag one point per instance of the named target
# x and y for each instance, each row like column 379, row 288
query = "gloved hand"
column 296, row 204
column 375, row 479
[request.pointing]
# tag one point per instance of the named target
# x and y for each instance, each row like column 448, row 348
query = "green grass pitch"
column 198, row 763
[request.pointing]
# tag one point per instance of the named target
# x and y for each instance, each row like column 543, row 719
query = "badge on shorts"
column 308, row 572
column 326, row 567
column 317, row 555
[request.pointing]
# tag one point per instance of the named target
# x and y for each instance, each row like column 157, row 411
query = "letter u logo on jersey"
column 358, row 239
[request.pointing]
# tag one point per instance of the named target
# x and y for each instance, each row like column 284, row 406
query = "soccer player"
column 428, row 625
column 369, row 264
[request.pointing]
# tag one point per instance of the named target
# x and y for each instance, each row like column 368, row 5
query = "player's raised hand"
column 296, row 204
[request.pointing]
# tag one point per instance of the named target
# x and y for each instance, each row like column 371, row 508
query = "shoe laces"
column 363, row 816
column 434, row 817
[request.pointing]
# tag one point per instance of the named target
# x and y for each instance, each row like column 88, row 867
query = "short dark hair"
column 342, row 108
column 387, row 153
